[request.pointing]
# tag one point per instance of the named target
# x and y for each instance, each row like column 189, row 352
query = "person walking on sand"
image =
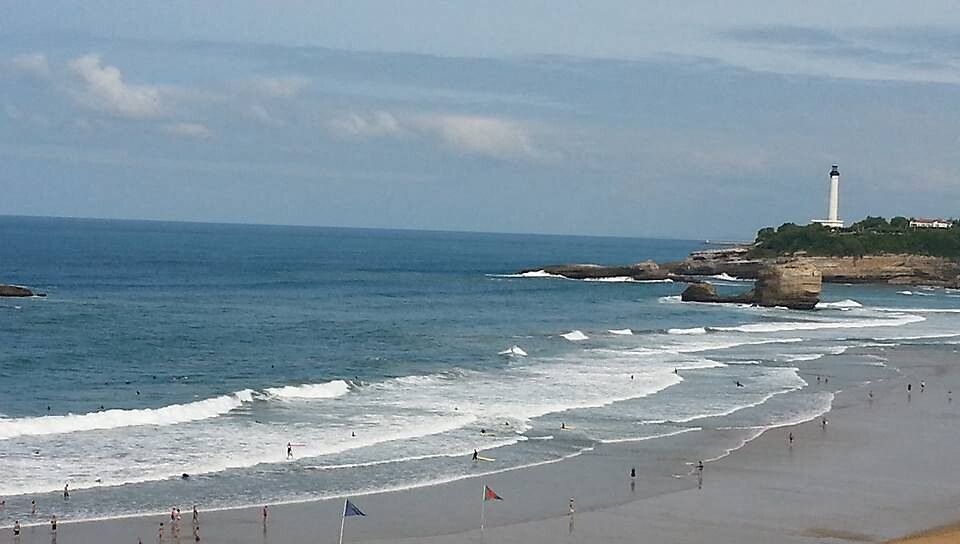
column 33, row 507
column 196, row 533
column 823, row 423
column 264, row 514
column 572, row 509
column 53, row 523
column 790, row 439
column 16, row 528
column 196, row 515
column 633, row 473
column 66, row 492
column 923, row 385
column 476, row 455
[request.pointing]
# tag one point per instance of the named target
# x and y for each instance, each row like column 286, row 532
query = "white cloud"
column 189, row 130
column 474, row 135
column 32, row 64
column 489, row 136
column 280, row 87
column 374, row 125
column 104, row 89
column 260, row 114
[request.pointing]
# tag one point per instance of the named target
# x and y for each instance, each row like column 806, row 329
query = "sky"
column 628, row 118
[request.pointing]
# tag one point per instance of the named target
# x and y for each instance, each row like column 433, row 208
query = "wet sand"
column 882, row 468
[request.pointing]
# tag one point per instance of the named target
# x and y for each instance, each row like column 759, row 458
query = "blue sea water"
column 171, row 348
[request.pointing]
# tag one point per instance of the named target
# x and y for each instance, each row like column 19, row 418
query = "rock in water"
column 14, row 291
column 700, row 292
column 792, row 284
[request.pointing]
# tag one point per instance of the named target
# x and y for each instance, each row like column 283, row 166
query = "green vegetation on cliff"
column 872, row 236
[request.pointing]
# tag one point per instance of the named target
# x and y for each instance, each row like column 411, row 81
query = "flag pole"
column 343, row 518
column 483, row 508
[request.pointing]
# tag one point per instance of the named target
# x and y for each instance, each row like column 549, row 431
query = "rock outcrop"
column 646, row 270
column 892, row 269
column 16, row 291
column 792, row 284
column 733, row 261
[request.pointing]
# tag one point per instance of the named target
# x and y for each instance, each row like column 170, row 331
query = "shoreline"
column 447, row 512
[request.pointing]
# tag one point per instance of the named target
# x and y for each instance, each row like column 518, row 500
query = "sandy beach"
column 881, row 469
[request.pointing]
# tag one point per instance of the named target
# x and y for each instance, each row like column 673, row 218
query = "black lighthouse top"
column 834, row 172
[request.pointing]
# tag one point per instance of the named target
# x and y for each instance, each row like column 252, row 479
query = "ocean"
column 384, row 357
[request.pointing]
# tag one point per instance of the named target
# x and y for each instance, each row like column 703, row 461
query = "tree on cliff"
column 871, row 236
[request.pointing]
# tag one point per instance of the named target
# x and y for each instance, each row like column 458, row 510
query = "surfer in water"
column 739, row 384
column 563, row 425
column 476, row 455
column 289, row 450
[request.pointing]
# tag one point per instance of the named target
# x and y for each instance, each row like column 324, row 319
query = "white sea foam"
column 513, row 351
column 840, row 304
column 626, row 279
column 920, row 310
column 113, row 419
column 728, row 277
column 328, row 390
column 915, row 293
column 529, row 274
column 621, row 332
column 575, row 336
column 691, row 331
column 651, row 437
column 672, row 299
column 782, row 326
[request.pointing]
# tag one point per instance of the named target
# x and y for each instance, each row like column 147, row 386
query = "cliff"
column 901, row 269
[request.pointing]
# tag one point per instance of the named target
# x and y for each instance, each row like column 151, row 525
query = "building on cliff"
column 920, row 223
column 833, row 220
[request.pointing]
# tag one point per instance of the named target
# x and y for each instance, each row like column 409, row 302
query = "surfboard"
column 567, row 428
column 299, row 445
column 482, row 458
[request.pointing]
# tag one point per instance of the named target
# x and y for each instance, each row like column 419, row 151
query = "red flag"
column 490, row 495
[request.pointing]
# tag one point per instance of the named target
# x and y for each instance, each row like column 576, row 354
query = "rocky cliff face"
column 794, row 284
column 893, row 269
column 791, row 284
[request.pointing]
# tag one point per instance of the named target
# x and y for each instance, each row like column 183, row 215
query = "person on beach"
column 16, row 528
column 823, row 423
column 196, row 515
column 476, row 455
column 173, row 515
column 923, row 385
column 66, row 492
column 196, row 533
column 179, row 517
column 563, row 425
column 571, row 506
column 289, row 450
column 909, row 387
column 700, row 467
column 633, row 473
column 53, row 523
column 790, row 439
column 160, row 532
column 264, row 514
column 33, row 507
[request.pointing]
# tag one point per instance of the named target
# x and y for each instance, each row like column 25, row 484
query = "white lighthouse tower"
column 833, row 208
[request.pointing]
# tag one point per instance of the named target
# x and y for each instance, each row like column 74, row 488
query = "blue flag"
column 351, row 509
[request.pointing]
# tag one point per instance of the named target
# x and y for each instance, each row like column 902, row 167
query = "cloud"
column 260, row 114
column 784, row 35
column 280, row 87
column 189, row 130
column 33, row 64
column 373, row 125
column 493, row 137
column 104, row 89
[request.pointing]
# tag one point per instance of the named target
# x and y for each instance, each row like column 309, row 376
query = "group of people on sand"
column 175, row 519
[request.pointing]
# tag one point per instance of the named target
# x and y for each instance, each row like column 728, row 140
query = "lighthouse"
column 833, row 207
